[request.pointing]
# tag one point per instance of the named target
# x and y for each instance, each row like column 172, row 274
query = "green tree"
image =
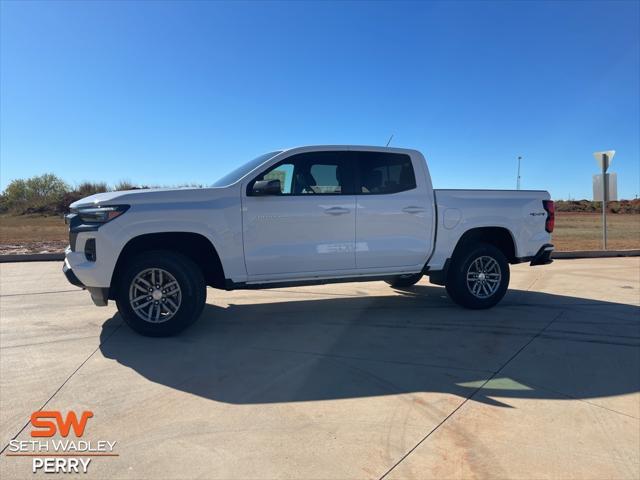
column 37, row 194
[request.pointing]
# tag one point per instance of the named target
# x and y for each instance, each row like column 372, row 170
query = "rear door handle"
column 336, row 211
column 413, row 209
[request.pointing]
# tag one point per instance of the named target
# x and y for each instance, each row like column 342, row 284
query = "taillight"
column 550, row 208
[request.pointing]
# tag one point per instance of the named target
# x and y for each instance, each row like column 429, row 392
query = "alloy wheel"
column 155, row 295
column 483, row 277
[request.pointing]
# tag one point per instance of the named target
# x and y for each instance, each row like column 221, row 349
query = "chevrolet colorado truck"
column 301, row 216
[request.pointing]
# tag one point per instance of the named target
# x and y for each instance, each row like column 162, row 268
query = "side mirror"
column 266, row 187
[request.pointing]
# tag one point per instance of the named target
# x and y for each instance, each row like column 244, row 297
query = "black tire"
column 460, row 290
column 404, row 281
column 192, row 296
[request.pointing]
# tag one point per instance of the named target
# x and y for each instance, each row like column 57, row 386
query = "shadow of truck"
column 324, row 349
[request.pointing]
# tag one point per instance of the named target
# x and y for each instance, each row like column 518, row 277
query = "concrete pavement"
column 339, row 381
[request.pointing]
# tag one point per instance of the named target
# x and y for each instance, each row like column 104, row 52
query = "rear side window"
column 382, row 173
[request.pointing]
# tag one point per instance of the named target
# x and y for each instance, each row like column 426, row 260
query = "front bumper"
column 100, row 296
column 71, row 277
column 543, row 257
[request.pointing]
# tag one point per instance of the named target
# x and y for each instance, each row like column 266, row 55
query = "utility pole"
column 518, row 179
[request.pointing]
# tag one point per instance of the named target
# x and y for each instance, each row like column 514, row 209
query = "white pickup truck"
column 301, row 216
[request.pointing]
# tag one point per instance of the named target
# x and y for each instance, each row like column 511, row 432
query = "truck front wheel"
column 478, row 276
column 160, row 293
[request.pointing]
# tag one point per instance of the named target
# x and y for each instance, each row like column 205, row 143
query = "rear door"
column 394, row 219
column 310, row 226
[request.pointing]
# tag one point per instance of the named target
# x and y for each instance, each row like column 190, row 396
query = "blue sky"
column 175, row 92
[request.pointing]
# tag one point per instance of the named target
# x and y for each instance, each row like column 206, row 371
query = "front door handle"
column 413, row 209
column 336, row 211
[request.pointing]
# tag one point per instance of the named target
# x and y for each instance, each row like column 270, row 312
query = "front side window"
column 325, row 176
column 284, row 173
column 314, row 173
column 384, row 173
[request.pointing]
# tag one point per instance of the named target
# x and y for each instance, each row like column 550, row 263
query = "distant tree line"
column 48, row 194
column 588, row 206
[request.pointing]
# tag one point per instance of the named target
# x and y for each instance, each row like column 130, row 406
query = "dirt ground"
column 573, row 231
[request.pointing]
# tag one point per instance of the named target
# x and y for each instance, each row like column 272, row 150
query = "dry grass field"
column 583, row 231
column 573, row 231
column 32, row 234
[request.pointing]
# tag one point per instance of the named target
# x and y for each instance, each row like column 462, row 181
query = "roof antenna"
column 389, row 140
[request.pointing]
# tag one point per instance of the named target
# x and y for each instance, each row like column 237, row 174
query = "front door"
column 306, row 228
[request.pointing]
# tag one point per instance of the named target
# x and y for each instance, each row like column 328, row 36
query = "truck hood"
column 149, row 196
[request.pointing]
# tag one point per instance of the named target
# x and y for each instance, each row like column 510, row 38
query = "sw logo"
column 60, row 455
column 47, row 424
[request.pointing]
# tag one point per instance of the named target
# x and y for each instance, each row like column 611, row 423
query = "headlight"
column 101, row 214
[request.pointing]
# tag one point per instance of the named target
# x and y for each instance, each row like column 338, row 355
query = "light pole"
column 518, row 179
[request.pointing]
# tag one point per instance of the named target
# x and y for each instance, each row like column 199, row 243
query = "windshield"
column 241, row 171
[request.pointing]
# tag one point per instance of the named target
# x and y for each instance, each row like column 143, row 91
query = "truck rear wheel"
column 160, row 293
column 478, row 276
column 404, row 281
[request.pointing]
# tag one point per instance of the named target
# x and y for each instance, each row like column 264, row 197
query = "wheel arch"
column 499, row 237
column 193, row 245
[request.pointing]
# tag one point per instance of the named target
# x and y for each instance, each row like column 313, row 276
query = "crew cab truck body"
column 301, row 216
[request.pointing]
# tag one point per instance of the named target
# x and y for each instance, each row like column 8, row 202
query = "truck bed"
column 520, row 212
